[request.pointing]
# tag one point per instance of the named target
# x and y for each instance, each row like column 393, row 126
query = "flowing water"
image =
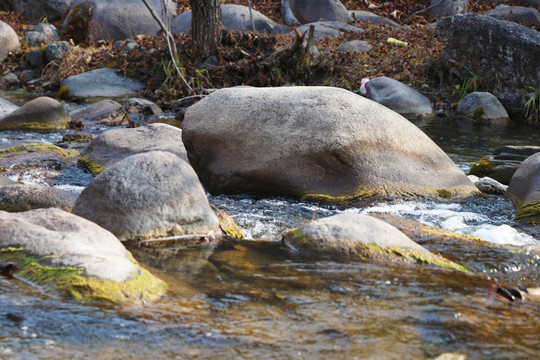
column 256, row 299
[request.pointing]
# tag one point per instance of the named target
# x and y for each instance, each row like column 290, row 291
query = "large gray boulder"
column 399, row 97
column 360, row 237
column 102, row 82
column 524, row 190
column 63, row 252
column 19, row 197
column 483, row 107
column 114, row 145
column 316, row 143
column 38, row 10
column 286, row 14
column 309, row 11
column 42, row 114
column 148, row 195
column 502, row 54
column 9, row 41
column 518, row 14
column 448, row 7
column 233, row 17
column 113, row 20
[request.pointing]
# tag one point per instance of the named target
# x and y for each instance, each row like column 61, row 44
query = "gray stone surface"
column 105, row 112
column 372, row 18
column 309, row 11
column 113, row 20
column 41, row 114
column 38, row 10
column 148, row 195
column 233, row 17
column 69, row 240
column 103, row 82
column 502, row 54
column 356, row 46
column 6, row 107
column 488, row 185
column 115, row 145
column 19, row 197
column 448, row 7
column 328, row 29
column 286, row 14
column 41, row 34
column 518, row 14
column 524, row 189
column 483, row 106
column 57, row 50
column 9, row 41
column 301, row 141
column 399, row 97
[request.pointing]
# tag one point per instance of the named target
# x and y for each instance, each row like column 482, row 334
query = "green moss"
column 233, row 231
column 32, row 147
column 69, row 281
column 529, row 214
column 481, row 168
column 89, row 164
column 34, row 126
column 63, row 93
column 426, row 230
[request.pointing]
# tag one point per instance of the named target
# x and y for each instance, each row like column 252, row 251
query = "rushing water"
column 255, row 299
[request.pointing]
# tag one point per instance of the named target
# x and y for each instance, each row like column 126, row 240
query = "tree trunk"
column 206, row 25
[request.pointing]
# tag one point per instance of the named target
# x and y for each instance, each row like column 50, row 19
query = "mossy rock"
column 87, row 163
column 482, row 168
column 38, row 147
column 529, row 214
column 42, row 114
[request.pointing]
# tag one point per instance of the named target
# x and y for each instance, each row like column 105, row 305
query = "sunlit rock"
column 43, row 114
column 524, row 190
column 19, row 197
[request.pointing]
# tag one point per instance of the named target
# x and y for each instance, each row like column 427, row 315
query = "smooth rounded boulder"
column 102, row 82
column 65, row 253
column 360, row 237
column 308, row 11
column 484, row 107
column 149, row 195
column 9, row 41
column 115, row 145
column 20, row 197
column 43, row 114
column 524, row 190
column 37, row 10
column 319, row 144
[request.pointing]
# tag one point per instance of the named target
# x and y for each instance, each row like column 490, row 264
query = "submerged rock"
column 71, row 255
column 399, row 97
column 103, row 82
column 524, row 190
column 19, row 197
column 149, row 195
column 316, row 143
column 354, row 236
column 115, row 145
column 43, row 114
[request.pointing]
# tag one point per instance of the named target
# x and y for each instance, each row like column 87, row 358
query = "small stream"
column 254, row 299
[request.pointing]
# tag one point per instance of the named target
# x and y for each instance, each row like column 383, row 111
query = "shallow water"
column 257, row 300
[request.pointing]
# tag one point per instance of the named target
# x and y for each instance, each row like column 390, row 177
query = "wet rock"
column 502, row 54
column 524, row 190
column 354, row 236
column 286, row 14
column 103, row 82
column 6, row 107
column 42, row 114
column 115, row 145
column 9, row 41
column 105, row 112
column 148, row 195
column 37, row 10
column 41, row 34
column 517, row 14
column 233, row 17
column 356, row 46
column 328, row 29
column 372, row 18
column 19, row 197
column 448, row 7
column 66, row 253
column 515, row 152
column 112, row 21
column 399, row 97
column 488, row 185
column 316, row 143
column 310, row 11
column 483, row 107
column 57, row 50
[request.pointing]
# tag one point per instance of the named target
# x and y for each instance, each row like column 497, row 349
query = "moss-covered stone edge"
column 34, row 126
column 529, row 214
column 394, row 189
column 31, row 147
column 93, row 167
column 481, row 168
column 374, row 251
column 69, row 281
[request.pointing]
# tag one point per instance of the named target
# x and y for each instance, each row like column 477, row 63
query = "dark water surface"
column 256, row 300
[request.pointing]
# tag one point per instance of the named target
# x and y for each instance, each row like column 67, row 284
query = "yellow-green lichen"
column 69, row 281
column 33, row 147
column 233, row 231
column 481, row 168
column 90, row 165
column 529, row 214
column 34, row 126
column 63, row 93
